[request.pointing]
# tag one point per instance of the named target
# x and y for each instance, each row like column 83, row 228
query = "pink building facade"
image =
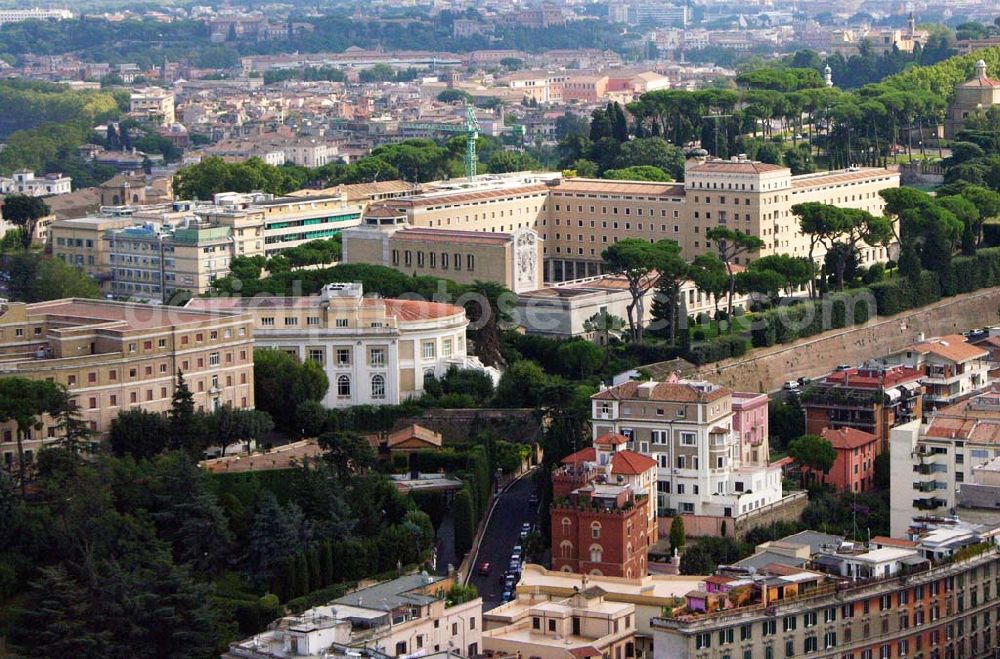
column 750, row 425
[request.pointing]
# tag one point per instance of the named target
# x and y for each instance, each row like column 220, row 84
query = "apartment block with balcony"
column 603, row 520
column 934, row 597
column 938, row 457
column 873, row 398
column 114, row 356
column 154, row 104
column 687, row 427
column 292, row 221
column 952, row 368
column 374, row 351
column 406, row 617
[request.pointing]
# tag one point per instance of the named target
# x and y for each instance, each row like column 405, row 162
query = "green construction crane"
column 470, row 128
column 471, row 136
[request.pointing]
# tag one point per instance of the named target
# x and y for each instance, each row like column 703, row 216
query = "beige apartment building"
column 586, row 625
column 578, row 218
column 818, row 595
column 114, row 356
column 689, row 428
column 150, row 253
column 153, row 103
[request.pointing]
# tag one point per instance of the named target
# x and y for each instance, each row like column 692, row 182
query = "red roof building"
column 603, row 517
column 854, row 468
column 871, row 399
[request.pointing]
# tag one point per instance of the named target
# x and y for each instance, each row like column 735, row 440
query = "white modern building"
column 406, row 617
column 953, row 369
column 33, row 14
column 562, row 309
column 687, row 426
column 24, row 182
column 375, row 351
column 931, row 461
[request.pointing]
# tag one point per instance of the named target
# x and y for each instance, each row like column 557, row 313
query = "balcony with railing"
column 835, row 591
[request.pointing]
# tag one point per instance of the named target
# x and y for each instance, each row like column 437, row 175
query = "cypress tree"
column 315, row 576
column 301, row 575
column 465, row 523
column 326, row 563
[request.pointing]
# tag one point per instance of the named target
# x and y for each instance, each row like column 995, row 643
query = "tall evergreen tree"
column 181, row 419
column 58, row 619
column 276, row 533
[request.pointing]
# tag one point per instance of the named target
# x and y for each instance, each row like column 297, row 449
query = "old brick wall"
column 765, row 369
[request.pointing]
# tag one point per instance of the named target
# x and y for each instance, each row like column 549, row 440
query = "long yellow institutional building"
column 576, row 219
column 116, row 356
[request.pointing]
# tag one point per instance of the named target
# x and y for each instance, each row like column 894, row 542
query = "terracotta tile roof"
column 715, row 578
column 588, row 454
column 740, row 167
column 952, row 347
column 846, row 439
column 603, row 186
column 135, row 316
column 893, row 542
column 631, row 463
column 981, row 81
column 405, row 310
column 451, row 198
column 585, row 652
column 422, row 234
column 862, row 378
column 382, row 210
column 417, row 309
column 806, row 181
column 413, row 431
column 680, row 392
column 610, row 439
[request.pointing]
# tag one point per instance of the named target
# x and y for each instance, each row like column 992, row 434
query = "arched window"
column 566, row 526
column 595, row 530
column 378, row 386
column 344, row 386
column 566, row 549
column 567, row 568
column 596, row 554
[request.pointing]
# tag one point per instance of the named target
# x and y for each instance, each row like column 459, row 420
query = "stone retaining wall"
column 765, row 369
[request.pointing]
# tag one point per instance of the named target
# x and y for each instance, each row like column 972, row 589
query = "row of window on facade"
column 377, row 356
column 214, row 359
column 447, row 260
column 377, row 386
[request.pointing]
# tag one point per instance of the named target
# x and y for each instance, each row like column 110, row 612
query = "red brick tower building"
column 603, row 521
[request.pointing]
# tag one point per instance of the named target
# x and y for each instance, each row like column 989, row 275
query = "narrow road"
column 500, row 537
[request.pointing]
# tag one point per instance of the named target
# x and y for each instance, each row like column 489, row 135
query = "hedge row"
column 806, row 318
column 887, row 298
